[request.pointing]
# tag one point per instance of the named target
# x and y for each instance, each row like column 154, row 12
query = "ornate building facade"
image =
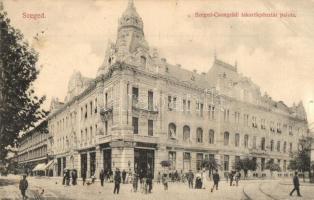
column 140, row 110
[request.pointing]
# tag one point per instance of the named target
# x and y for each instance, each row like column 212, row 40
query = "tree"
column 246, row 164
column 272, row 166
column 301, row 159
column 210, row 164
column 20, row 108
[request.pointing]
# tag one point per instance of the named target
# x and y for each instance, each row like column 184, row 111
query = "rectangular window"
column 106, row 100
column 170, row 103
column 91, row 108
column 201, row 109
column 186, row 161
column 134, row 96
column 246, row 141
column 150, row 127
column 91, row 133
column 96, row 105
column 184, row 105
column 226, row 163
column 135, row 125
column 254, row 142
column 85, row 111
column 199, row 161
column 106, row 127
column 189, row 106
column 150, row 100
column 174, row 103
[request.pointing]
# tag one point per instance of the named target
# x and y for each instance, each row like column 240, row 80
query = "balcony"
column 106, row 113
column 149, row 109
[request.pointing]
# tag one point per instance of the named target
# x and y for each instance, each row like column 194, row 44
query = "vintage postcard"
column 168, row 99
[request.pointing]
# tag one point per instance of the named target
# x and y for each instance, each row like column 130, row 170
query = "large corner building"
column 140, row 110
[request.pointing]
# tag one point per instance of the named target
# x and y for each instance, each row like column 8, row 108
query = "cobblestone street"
column 53, row 189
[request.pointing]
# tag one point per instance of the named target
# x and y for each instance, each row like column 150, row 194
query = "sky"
column 277, row 53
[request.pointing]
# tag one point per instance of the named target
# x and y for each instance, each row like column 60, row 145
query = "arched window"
column 143, row 60
column 211, row 136
column 246, row 141
column 271, row 145
column 199, row 135
column 172, row 130
column 186, row 133
column 263, row 143
column 226, row 138
column 237, row 139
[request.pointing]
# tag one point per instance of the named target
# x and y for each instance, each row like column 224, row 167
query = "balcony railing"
column 153, row 109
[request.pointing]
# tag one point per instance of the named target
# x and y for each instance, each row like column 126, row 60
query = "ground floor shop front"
column 143, row 157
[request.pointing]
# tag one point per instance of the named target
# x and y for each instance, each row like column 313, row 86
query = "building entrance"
column 107, row 160
column 83, row 164
column 144, row 161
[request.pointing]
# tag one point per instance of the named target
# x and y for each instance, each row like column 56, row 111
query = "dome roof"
column 130, row 18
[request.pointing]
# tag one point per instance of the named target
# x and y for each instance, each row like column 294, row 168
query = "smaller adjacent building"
column 33, row 151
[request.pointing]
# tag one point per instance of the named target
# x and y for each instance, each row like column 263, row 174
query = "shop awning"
column 49, row 164
column 40, row 167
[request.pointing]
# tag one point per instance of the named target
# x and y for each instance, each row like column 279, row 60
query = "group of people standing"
column 68, row 175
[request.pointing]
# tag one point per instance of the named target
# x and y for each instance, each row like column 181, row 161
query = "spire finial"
column 1, row 5
column 131, row 4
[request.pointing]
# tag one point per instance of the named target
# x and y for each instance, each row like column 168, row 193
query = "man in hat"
column 296, row 185
column 23, row 186
column 190, row 177
column 117, row 181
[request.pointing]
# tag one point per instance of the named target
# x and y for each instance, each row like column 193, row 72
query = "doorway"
column 144, row 161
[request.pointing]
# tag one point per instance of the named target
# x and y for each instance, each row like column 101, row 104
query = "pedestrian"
column 64, row 176
column 84, row 176
column 190, row 178
column 296, row 185
column 110, row 176
column 23, row 186
column 164, row 180
column 102, row 177
column 149, row 181
column 158, row 178
column 123, row 176
column 231, row 176
column 117, row 181
column 237, row 177
column 67, row 177
column 135, row 182
column 74, row 177
column 216, row 180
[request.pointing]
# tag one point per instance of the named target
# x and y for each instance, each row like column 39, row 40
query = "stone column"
column 62, row 167
column 179, row 160
column 88, row 166
column 99, row 159
column 160, row 155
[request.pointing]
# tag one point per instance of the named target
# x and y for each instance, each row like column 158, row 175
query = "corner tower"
column 130, row 46
column 130, row 36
